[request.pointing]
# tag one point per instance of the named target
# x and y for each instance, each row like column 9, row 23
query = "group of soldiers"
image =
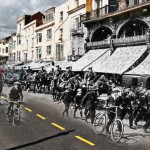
column 83, row 91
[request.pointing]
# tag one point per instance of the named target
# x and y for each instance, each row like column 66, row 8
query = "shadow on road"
column 42, row 140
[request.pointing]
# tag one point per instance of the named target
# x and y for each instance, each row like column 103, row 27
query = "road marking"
column 41, row 117
column 28, row 109
column 84, row 140
column 58, row 126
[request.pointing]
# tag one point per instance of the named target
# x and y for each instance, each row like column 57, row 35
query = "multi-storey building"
column 118, row 33
column 77, row 30
column 26, row 35
column 44, row 44
column 4, row 50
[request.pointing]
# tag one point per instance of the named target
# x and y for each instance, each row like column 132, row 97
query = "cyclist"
column 14, row 95
column 113, row 100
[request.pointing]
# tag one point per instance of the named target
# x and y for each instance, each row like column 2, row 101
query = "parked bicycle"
column 14, row 114
column 116, row 128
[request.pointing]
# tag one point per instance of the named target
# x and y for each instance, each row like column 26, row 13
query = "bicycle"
column 14, row 114
column 116, row 127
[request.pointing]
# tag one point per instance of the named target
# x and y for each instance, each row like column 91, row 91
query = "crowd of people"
column 84, row 90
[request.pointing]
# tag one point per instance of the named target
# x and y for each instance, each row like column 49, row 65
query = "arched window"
column 133, row 28
column 101, row 34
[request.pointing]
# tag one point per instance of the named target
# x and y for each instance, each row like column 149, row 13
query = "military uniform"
column 89, row 102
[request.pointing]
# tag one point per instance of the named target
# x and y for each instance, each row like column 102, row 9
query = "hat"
column 17, row 83
column 115, row 90
column 79, row 90
column 90, row 68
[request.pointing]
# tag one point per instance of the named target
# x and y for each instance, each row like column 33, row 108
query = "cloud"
column 11, row 10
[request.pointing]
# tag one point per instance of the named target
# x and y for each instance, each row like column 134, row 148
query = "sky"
column 12, row 10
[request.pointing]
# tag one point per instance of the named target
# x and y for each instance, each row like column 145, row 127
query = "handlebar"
column 107, row 107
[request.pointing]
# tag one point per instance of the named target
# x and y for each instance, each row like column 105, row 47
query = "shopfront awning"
column 142, row 69
column 98, row 62
column 121, row 60
column 87, row 59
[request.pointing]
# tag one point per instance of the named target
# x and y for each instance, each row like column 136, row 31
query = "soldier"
column 147, row 124
column 1, row 81
column 29, row 70
column 128, row 96
column 77, row 102
column 66, row 97
column 89, row 101
column 67, row 74
column 89, row 76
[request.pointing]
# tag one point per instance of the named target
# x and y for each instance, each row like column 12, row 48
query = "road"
column 43, row 128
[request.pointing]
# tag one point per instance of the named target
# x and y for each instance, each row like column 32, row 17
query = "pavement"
column 43, row 128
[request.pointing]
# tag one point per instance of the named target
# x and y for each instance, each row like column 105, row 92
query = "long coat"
column 89, row 100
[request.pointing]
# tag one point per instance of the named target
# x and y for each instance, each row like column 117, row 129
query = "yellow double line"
column 61, row 128
column 84, row 140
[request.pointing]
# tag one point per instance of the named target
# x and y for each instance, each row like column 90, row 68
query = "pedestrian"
column 113, row 100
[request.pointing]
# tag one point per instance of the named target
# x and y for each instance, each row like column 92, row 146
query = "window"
column 39, row 37
column 49, row 50
column 77, row 3
column 61, row 16
column 25, row 56
column 3, row 50
column 76, row 23
column 6, row 50
column 49, row 16
column 27, row 44
column 32, row 29
column 49, row 34
column 32, row 42
column 0, row 50
column 14, row 44
column 18, row 55
column 20, row 27
column 59, row 52
column 61, row 33
column 38, row 53
column 19, row 40
column 14, row 56
column 28, row 31
column 32, row 55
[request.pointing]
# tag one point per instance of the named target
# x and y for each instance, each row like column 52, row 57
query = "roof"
column 87, row 59
column 142, row 69
column 122, row 59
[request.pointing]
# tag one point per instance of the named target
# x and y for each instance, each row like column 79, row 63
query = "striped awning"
column 121, row 60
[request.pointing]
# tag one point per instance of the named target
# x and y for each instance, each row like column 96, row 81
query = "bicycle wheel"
column 16, row 117
column 117, row 129
column 99, row 123
column 10, row 114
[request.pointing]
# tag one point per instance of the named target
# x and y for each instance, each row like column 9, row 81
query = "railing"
column 105, row 43
column 130, row 40
column 111, row 8
column 76, row 30
column 136, row 40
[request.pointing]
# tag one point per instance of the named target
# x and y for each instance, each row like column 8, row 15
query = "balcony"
column 136, row 40
column 99, row 44
column 112, row 9
column 128, row 41
column 77, row 31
